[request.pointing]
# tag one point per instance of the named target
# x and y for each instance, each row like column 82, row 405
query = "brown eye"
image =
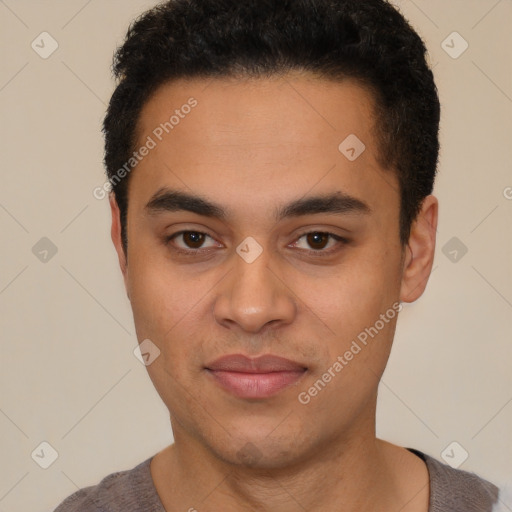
column 193, row 239
column 317, row 240
column 320, row 243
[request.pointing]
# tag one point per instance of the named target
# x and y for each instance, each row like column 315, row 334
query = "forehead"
column 257, row 110
column 266, row 137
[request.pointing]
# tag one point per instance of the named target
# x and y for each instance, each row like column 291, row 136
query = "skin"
column 250, row 146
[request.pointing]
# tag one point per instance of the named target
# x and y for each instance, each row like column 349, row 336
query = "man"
column 272, row 165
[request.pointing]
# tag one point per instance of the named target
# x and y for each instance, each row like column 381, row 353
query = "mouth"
column 260, row 377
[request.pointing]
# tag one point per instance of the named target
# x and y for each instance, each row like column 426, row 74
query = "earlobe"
column 420, row 250
column 115, row 233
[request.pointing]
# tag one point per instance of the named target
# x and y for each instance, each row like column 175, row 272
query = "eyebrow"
column 168, row 200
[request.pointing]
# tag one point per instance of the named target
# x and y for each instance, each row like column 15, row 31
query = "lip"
column 259, row 377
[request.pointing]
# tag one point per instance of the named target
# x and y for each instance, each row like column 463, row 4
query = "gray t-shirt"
column 451, row 490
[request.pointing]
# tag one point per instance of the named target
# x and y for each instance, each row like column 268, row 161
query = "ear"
column 115, row 233
column 419, row 253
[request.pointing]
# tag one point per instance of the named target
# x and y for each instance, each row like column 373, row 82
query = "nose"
column 253, row 296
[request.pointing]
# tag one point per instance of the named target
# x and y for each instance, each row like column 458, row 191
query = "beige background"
column 68, row 375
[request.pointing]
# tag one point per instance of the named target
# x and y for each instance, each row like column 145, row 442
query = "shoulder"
column 131, row 489
column 457, row 490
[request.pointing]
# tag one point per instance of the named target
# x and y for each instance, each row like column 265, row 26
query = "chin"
column 259, row 448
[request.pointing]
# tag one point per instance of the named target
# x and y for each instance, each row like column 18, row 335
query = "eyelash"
column 316, row 253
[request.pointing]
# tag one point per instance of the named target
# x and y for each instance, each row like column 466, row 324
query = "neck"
column 354, row 472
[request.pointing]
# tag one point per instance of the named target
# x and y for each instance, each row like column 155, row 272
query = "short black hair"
column 366, row 40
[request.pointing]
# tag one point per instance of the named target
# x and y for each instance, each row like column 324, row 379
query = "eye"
column 318, row 241
column 188, row 241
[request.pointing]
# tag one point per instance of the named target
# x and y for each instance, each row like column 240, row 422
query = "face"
column 251, row 232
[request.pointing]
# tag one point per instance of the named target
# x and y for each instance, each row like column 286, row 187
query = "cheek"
column 162, row 299
column 354, row 295
column 168, row 312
